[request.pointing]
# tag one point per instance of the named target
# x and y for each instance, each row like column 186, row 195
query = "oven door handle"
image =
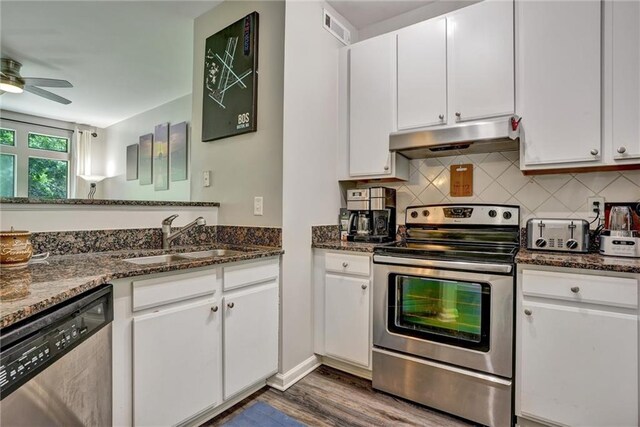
column 480, row 267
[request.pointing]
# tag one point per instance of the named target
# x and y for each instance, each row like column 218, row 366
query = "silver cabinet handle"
column 441, row 116
column 386, row 168
column 345, row 264
column 214, row 308
column 594, row 152
column 231, row 305
column 364, row 286
column 622, row 150
column 575, row 289
column 528, row 312
column 458, row 115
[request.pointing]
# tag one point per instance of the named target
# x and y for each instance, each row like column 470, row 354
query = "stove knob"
column 426, row 212
column 493, row 213
column 414, row 214
column 572, row 244
column 506, row 215
column 541, row 243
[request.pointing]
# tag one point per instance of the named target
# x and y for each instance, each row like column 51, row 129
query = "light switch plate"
column 206, row 179
column 258, row 205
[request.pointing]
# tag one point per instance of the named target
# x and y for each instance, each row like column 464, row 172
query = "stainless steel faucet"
column 168, row 237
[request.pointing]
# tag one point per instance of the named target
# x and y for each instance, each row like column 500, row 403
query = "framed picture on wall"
column 161, row 157
column 145, row 153
column 132, row 162
column 178, row 159
column 229, row 104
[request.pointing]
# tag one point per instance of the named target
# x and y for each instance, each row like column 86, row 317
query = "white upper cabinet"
column 371, row 107
column 625, row 52
column 559, row 81
column 422, row 75
column 481, row 61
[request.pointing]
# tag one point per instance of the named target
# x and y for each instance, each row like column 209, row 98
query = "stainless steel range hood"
column 468, row 138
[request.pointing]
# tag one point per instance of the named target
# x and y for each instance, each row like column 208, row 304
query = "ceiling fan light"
column 10, row 85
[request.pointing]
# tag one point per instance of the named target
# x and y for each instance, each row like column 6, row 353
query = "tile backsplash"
column 498, row 179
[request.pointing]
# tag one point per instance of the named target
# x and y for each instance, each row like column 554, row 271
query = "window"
column 48, row 142
column 7, row 175
column 35, row 160
column 48, row 178
column 7, row 137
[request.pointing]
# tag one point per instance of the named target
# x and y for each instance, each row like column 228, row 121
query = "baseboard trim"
column 347, row 367
column 283, row 381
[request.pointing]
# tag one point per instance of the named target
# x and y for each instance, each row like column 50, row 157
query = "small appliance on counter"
column 566, row 235
column 621, row 236
column 372, row 214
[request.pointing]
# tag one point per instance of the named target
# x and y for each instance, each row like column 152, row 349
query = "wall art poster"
column 161, row 157
column 132, row 162
column 178, row 160
column 229, row 104
column 145, row 170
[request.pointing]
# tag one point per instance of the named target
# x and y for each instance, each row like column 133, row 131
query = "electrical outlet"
column 258, row 205
column 206, row 179
column 595, row 205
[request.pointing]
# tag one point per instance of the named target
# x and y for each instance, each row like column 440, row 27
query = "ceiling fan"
column 11, row 81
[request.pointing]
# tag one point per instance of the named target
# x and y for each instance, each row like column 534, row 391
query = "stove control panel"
column 491, row 215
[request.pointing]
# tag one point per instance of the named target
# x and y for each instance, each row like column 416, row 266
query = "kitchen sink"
column 157, row 259
column 211, row 253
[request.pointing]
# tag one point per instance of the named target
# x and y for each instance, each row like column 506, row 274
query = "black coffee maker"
column 372, row 214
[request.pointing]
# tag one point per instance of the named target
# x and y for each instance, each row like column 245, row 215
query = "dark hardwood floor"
column 328, row 397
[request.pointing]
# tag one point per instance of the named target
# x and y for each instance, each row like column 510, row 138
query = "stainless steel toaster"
column 567, row 235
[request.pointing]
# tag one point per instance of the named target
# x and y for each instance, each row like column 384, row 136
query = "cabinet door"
column 371, row 105
column 579, row 366
column 481, row 67
column 250, row 337
column 346, row 327
column 422, row 75
column 559, row 72
column 626, row 79
column 176, row 363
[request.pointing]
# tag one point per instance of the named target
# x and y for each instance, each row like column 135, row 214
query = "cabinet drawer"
column 149, row 293
column 251, row 273
column 351, row 264
column 613, row 291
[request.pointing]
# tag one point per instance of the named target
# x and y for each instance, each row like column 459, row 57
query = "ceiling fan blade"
column 46, row 94
column 34, row 81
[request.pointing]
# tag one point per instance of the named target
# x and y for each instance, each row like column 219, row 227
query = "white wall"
column 247, row 165
column 113, row 160
column 311, row 194
column 428, row 11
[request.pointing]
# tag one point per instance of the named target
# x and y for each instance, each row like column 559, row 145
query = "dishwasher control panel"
column 31, row 355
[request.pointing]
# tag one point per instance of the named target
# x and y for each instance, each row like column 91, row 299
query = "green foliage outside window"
column 7, row 175
column 48, row 178
column 7, row 137
column 51, row 143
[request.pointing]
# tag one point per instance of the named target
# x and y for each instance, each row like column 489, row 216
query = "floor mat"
column 263, row 415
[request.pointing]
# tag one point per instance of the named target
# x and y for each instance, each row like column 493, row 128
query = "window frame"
column 15, row 137
column 68, row 162
column 67, row 151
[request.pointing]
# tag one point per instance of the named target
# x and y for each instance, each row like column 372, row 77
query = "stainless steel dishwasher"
column 55, row 369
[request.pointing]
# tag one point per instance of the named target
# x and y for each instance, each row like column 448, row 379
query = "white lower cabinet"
column 577, row 362
column 176, row 363
column 250, row 336
column 346, row 320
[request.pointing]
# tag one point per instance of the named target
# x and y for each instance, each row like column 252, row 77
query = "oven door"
column 456, row 317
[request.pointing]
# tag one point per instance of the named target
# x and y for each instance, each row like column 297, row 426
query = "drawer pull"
column 345, row 264
column 528, row 312
column 364, row 286
column 214, row 308
column 231, row 305
column 575, row 289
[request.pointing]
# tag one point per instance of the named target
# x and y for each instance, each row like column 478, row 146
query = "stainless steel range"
column 443, row 310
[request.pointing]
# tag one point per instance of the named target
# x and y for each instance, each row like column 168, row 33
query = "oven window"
column 452, row 312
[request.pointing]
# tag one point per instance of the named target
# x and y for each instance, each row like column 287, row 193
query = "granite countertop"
column 101, row 202
column 32, row 289
column 339, row 245
column 590, row 261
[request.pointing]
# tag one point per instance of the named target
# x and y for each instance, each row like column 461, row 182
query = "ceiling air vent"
column 336, row 28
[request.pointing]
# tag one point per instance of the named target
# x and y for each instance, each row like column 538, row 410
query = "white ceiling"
column 123, row 57
column 362, row 13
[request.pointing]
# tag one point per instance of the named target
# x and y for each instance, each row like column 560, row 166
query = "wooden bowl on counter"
column 15, row 248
